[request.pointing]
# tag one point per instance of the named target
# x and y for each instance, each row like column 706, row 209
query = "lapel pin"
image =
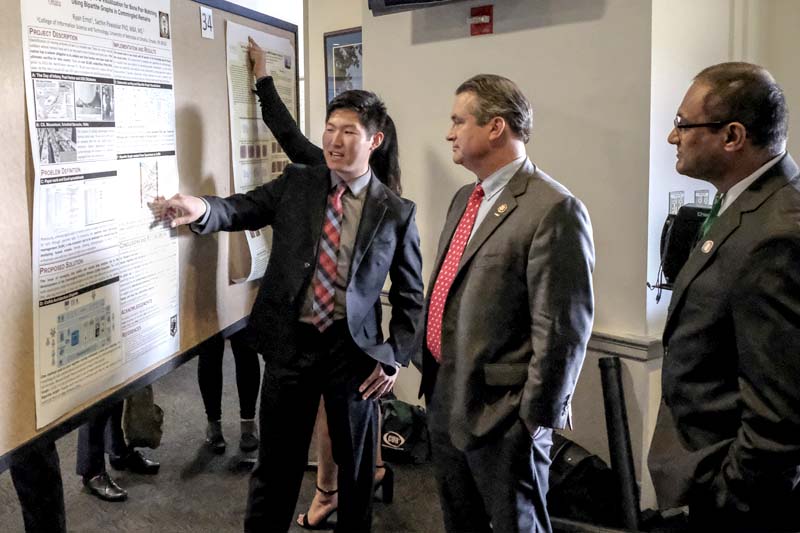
column 502, row 209
column 707, row 246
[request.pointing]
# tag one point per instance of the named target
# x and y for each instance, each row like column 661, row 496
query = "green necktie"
column 712, row 215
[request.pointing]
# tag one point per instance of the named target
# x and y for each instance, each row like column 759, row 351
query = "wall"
column 325, row 16
column 687, row 36
column 774, row 34
column 583, row 66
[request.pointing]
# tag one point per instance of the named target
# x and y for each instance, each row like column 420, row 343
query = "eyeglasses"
column 680, row 125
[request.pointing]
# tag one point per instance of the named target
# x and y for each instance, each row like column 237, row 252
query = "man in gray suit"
column 727, row 440
column 509, row 313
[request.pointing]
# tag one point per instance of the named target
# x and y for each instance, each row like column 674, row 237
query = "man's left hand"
column 377, row 384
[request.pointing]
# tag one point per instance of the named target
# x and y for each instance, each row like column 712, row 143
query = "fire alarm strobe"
column 481, row 20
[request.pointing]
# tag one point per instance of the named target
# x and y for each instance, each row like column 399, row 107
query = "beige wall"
column 776, row 44
column 582, row 65
column 681, row 46
column 324, row 16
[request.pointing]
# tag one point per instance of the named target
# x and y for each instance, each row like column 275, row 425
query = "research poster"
column 256, row 155
column 101, row 108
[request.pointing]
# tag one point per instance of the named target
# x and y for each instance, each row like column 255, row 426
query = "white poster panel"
column 101, row 110
column 256, row 155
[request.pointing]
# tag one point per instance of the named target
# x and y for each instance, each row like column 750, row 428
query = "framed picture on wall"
column 343, row 62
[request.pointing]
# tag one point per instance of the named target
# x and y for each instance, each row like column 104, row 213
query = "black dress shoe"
column 214, row 439
column 105, row 488
column 135, row 462
column 249, row 439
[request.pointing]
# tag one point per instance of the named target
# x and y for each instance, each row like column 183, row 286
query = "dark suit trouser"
column 330, row 365
column 501, row 486
column 36, row 474
column 95, row 438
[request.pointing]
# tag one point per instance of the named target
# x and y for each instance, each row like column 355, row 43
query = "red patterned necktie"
column 447, row 272
column 325, row 275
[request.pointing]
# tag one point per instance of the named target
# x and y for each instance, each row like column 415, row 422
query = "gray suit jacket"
column 518, row 315
column 728, row 431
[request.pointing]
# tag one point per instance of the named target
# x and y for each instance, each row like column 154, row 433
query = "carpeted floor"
column 199, row 492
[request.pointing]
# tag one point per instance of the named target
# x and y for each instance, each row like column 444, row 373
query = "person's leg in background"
column 91, row 461
column 36, row 474
column 384, row 474
column 209, row 378
column 248, row 380
column 120, row 455
column 326, row 496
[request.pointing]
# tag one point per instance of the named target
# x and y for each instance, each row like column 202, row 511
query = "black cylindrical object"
column 619, row 439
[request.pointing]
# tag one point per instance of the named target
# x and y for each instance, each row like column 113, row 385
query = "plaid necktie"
column 447, row 273
column 712, row 215
column 325, row 275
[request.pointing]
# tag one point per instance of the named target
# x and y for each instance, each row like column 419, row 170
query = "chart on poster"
column 101, row 108
column 256, row 155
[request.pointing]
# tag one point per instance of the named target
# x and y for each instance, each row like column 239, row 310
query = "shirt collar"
column 355, row 186
column 497, row 180
column 734, row 192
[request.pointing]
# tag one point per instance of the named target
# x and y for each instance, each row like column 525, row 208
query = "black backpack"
column 404, row 432
column 582, row 486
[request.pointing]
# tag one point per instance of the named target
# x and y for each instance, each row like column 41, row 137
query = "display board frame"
column 210, row 305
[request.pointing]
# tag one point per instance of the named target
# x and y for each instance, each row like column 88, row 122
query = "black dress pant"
column 95, row 438
column 36, row 474
column 501, row 486
column 331, row 365
column 248, row 376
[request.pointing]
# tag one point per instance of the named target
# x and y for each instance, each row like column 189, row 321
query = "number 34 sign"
column 206, row 22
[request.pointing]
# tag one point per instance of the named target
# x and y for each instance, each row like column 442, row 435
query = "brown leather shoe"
column 105, row 488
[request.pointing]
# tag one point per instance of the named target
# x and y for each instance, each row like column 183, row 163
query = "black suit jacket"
column 387, row 242
column 728, row 432
column 283, row 126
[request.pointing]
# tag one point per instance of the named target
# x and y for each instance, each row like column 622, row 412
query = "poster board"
column 209, row 303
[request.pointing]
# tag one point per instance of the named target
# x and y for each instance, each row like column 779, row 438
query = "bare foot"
column 322, row 506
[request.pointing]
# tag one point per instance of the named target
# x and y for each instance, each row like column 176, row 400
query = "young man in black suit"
column 337, row 233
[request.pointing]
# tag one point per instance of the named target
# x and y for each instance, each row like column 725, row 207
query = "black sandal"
column 324, row 523
column 386, row 484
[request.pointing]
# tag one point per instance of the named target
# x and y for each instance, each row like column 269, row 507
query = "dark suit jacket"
column 518, row 315
column 387, row 242
column 728, row 431
column 283, row 126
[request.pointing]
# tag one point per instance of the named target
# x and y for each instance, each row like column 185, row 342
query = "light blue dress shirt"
column 493, row 185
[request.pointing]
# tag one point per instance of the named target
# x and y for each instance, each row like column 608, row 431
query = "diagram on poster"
column 101, row 108
column 256, row 156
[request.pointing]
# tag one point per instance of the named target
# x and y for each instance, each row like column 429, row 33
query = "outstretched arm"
column 180, row 209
